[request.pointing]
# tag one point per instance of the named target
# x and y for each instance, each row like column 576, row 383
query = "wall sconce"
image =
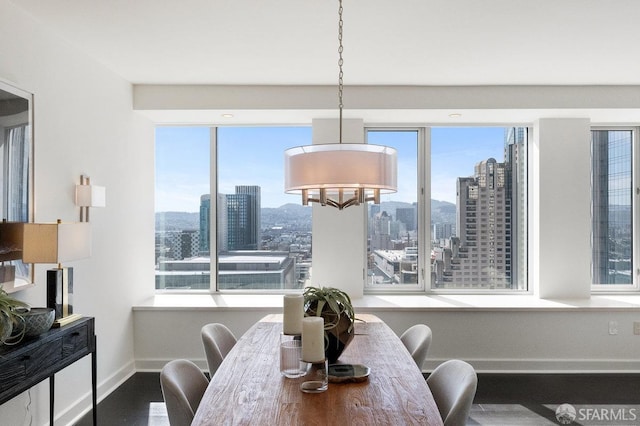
column 58, row 243
column 88, row 195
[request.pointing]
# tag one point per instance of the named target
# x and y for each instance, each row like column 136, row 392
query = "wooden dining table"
column 248, row 389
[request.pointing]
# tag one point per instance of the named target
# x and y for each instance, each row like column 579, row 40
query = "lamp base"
column 60, row 291
column 60, row 295
column 60, row 322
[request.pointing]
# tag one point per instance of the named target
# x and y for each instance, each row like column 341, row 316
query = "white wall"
column 492, row 340
column 561, row 186
column 84, row 123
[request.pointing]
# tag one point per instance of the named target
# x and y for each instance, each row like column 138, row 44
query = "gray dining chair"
column 417, row 339
column 183, row 385
column 217, row 340
column 453, row 385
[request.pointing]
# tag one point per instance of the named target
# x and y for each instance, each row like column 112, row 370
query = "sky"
column 255, row 156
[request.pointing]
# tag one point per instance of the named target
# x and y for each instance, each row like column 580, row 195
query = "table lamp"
column 58, row 243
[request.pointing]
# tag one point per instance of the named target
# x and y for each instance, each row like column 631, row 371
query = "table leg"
column 94, row 380
column 52, row 389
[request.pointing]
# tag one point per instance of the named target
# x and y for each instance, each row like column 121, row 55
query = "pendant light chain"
column 340, row 62
column 336, row 174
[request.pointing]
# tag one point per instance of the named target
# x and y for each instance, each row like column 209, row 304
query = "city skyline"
column 246, row 173
column 183, row 161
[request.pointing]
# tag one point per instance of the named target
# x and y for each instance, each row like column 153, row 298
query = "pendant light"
column 340, row 174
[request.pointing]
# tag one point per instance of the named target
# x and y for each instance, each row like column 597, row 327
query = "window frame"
column 528, row 290
column 214, row 286
column 634, row 287
column 423, row 215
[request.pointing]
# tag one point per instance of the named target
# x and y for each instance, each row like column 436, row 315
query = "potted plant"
column 12, row 325
column 335, row 307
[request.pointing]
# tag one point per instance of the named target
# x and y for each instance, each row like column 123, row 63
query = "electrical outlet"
column 636, row 328
column 613, row 328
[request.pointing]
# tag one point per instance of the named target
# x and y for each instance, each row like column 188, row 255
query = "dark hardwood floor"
column 501, row 399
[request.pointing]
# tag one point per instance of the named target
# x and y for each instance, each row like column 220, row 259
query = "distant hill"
column 177, row 221
column 286, row 214
column 441, row 211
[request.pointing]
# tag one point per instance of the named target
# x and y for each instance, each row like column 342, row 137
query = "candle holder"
column 317, row 377
column 291, row 364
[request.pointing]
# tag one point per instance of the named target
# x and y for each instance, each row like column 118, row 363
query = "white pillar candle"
column 313, row 339
column 293, row 311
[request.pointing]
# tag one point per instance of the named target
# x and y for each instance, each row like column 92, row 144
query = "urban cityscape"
column 478, row 243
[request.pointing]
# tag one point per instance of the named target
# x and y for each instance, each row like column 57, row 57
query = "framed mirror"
column 16, row 183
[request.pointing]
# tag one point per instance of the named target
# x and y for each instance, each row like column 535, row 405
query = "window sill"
column 257, row 302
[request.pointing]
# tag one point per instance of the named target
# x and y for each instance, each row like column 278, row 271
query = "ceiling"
column 399, row 42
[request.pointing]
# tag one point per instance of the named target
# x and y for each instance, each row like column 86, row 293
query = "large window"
column 393, row 225
column 456, row 223
column 181, row 199
column 478, row 209
column 263, row 236
column 612, row 184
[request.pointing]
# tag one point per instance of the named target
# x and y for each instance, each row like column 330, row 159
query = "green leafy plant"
column 317, row 300
column 12, row 325
column 335, row 307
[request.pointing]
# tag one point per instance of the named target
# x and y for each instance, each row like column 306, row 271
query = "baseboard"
column 545, row 366
column 155, row 365
column 83, row 405
column 511, row 366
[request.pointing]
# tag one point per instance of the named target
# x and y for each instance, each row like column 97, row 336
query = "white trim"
column 546, row 366
column 155, row 365
column 394, row 302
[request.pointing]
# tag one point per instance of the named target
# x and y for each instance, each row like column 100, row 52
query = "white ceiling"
column 387, row 42
column 411, row 42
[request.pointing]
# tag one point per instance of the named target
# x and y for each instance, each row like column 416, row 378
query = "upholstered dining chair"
column 183, row 385
column 217, row 340
column 417, row 339
column 453, row 385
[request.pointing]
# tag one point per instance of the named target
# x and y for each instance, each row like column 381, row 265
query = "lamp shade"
column 91, row 196
column 56, row 242
column 340, row 166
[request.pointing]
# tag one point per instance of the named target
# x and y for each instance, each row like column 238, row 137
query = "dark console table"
column 37, row 358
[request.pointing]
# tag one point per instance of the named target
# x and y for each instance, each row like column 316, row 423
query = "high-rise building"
column 442, row 231
column 205, row 224
column 177, row 245
column 380, row 238
column 483, row 259
column 515, row 158
column 222, row 224
column 189, row 243
column 374, row 209
column 243, row 218
column 407, row 215
column 612, row 194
